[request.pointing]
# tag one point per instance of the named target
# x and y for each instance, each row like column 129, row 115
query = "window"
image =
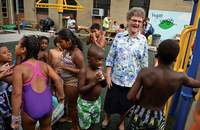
column 103, row 4
column 4, row 8
column 42, row 10
column 68, row 12
column 141, row 3
column 21, row 5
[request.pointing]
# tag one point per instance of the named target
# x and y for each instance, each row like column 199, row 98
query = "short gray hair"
column 136, row 11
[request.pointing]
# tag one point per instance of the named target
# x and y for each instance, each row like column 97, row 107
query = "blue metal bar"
column 18, row 16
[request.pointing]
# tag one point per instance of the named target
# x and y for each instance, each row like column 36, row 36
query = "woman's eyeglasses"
column 135, row 21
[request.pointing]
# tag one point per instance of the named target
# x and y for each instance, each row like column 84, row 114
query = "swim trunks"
column 88, row 112
column 36, row 105
column 141, row 118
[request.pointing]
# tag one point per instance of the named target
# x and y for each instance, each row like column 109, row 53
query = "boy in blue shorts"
column 90, row 81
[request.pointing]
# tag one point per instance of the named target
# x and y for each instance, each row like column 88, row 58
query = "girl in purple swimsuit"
column 71, row 63
column 30, row 89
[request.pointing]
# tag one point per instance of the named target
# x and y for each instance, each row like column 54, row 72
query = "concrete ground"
column 11, row 37
column 10, row 40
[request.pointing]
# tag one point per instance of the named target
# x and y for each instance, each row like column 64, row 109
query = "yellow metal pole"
column 177, row 64
column 60, row 8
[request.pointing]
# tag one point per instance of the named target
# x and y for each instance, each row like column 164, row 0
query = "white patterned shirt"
column 126, row 57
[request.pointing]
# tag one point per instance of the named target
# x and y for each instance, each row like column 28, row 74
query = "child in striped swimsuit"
column 71, row 63
column 30, row 88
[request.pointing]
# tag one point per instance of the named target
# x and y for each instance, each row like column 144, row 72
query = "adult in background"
column 128, row 54
column 148, row 25
column 115, row 26
column 121, row 28
column 106, row 22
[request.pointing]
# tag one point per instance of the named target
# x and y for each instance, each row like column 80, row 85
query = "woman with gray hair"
column 127, row 55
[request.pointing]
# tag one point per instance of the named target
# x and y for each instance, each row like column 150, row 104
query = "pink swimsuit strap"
column 36, row 71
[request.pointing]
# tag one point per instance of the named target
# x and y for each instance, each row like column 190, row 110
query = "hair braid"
column 31, row 43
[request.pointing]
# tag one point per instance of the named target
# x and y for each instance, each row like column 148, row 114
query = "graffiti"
column 166, row 24
column 157, row 15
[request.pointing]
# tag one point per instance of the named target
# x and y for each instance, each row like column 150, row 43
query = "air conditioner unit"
column 97, row 12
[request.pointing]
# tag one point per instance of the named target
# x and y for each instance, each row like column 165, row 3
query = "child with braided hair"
column 30, row 89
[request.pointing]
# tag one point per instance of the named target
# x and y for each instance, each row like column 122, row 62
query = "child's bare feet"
column 66, row 119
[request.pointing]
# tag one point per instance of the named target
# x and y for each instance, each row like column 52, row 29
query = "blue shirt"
column 147, row 28
column 126, row 57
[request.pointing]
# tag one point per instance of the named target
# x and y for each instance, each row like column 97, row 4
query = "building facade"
column 174, row 12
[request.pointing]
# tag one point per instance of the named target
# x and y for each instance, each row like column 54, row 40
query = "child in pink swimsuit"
column 30, row 88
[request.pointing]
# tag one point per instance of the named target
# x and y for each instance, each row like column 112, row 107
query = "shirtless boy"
column 55, row 58
column 55, row 55
column 159, row 84
column 91, row 80
column 95, row 38
column 44, row 43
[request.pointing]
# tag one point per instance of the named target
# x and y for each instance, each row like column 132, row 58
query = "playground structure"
column 60, row 5
column 189, row 36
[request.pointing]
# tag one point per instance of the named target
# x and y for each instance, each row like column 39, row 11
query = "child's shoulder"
column 52, row 50
column 42, row 63
column 77, row 51
column 147, row 71
column 21, row 67
column 87, row 69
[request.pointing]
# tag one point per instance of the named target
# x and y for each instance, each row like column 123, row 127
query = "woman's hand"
column 109, row 82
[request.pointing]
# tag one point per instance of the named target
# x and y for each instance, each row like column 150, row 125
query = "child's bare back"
column 159, row 84
column 54, row 58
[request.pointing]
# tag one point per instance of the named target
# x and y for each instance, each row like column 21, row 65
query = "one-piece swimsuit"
column 36, row 105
